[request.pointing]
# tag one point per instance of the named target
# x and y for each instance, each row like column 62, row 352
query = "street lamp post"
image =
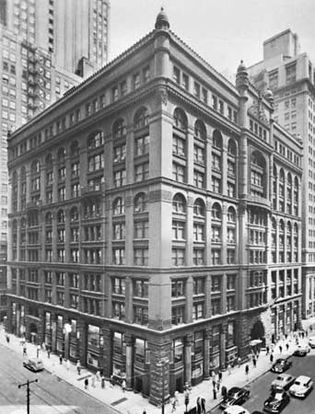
column 27, row 384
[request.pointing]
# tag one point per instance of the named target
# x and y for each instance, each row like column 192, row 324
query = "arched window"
column 199, row 208
column 179, row 203
column 140, row 203
column 118, row 206
column 95, row 140
column 74, row 149
column 35, row 167
column 258, row 174
column 200, row 130
column 180, row 119
column 231, row 215
column 60, row 217
column 48, row 218
column 74, row 214
column 119, row 128
column 216, row 212
column 232, row 148
column 61, row 155
column 141, row 118
column 217, row 139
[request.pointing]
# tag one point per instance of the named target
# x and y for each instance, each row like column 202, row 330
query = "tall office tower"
column 46, row 47
column 145, row 237
column 75, row 31
column 290, row 75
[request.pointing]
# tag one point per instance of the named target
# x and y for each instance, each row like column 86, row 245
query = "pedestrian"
column 38, row 349
column 280, row 349
column 176, row 397
column 229, row 369
column 214, row 384
column 68, row 364
column 198, row 405
column 203, row 405
column 254, row 362
column 86, row 383
column 223, row 391
column 287, row 346
column 267, row 350
column 98, row 376
column 103, row 381
column 286, row 336
column 220, row 376
column 246, row 369
column 271, row 358
column 123, row 385
column 48, row 351
column 8, row 339
column 239, row 361
column 60, row 359
column 173, row 403
column 218, row 386
column 43, row 346
column 78, row 367
column 24, row 350
column 93, row 381
column 214, row 394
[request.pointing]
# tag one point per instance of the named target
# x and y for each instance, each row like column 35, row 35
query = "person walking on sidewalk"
column 123, row 385
column 214, row 383
column 60, row 359
column 93, row 381
column 229, row 369
column 86, row 383
column 7, row 338
column 214, row 393
column 78, row 367
column 24, row 351
column 220, row 376
column 254, row 362
column 280, row 349
column 239, row 361
column 223, row 391
column 103, row 381
column 38, row 350
column 48, row 351
column 271, row 358
column 247, row 369
column 267, row 350
column 287, row 346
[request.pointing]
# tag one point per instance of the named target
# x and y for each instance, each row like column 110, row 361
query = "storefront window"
column 141, row 351
column 178, row 350
column 93, row 336
column 119, row 355
column 230, row 335
column 197, row 349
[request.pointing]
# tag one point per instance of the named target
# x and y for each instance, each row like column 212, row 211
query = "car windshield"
column 278, row 396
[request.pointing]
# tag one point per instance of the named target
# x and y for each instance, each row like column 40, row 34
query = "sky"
column 223, row 32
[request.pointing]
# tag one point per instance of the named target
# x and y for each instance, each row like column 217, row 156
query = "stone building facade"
column 151, row 235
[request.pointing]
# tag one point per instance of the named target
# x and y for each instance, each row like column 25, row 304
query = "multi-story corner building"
column 290, row 75
column 151, row 231
column 74, row 31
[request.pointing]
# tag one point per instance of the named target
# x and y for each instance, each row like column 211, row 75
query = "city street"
column 50, row 395
column 261, row 387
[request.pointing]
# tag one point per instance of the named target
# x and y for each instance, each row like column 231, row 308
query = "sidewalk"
column 129, row 402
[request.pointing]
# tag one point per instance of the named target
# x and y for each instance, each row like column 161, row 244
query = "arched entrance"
column 258, row 332
column 33, row 333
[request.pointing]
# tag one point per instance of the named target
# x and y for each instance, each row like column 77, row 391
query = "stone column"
column 189, row 298
column 224, row 169
column 222, row 345
column 160, row 352
column 224, row 234
column 188, row 344
column 190, row 155
column 208, row 296
column 128, row 300
column 189, row 231
column 206, row 354
column 129, row 361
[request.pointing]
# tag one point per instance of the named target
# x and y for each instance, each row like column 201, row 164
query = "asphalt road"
column 260, row 389
column 49, row 395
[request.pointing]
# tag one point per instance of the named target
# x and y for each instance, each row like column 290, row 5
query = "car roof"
column 303, row 378
column 234, row 389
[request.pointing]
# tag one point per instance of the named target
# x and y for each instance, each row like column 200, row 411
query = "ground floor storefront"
column 147, row 360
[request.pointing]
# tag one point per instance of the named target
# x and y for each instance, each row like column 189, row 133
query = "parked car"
column 257, row 412
column 281, row 365
column 236, row 409
column 311, row 341
column 235, row 396
column 276, row 402
column 282, row 381
column 302, row 386
column 34, row 365
column 302, row 350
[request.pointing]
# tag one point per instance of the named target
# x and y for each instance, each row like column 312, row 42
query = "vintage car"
column 302, row 386
column 236, row 409
column 34, row 365
column 311, row 341
column 276, row 402
column 302, row 350
column 281, row 365
column 282, row 381
column 235, row 396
